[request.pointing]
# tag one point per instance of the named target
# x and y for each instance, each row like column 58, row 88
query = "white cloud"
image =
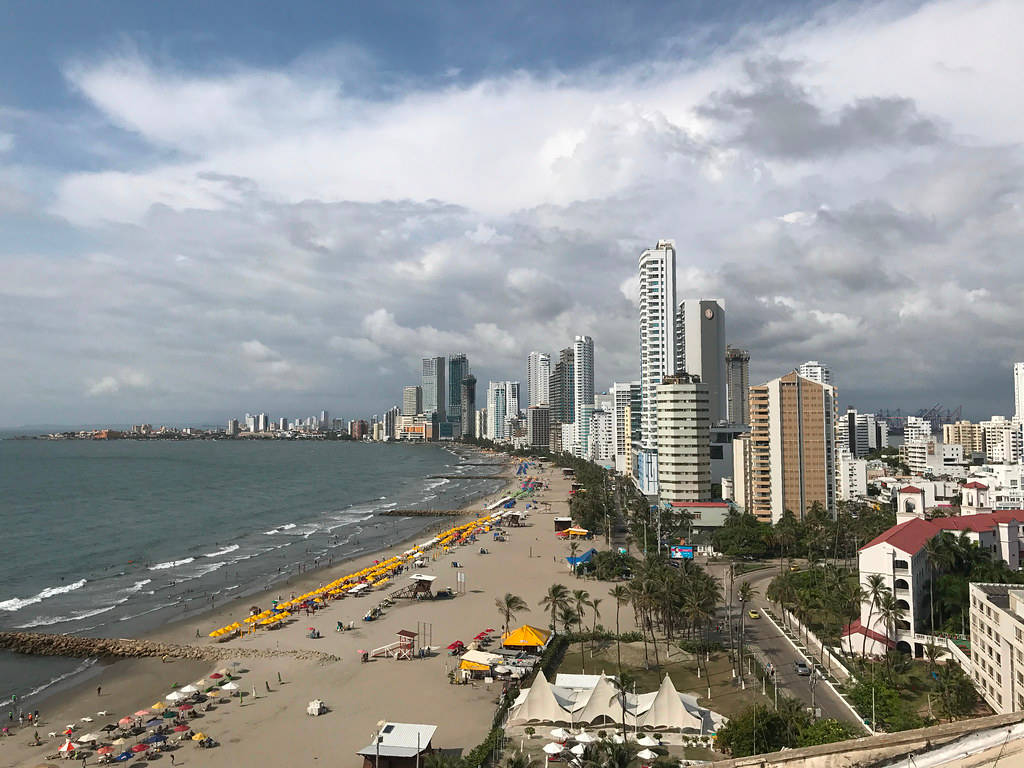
column 127, row 379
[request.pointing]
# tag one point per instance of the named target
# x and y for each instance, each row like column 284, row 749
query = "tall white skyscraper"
column 657, row 332
column 583, row 386
column 434, row 391
column 816, row 371
column 700, row 349
column 502, row 404
column 538, row 375
column 1018, row 391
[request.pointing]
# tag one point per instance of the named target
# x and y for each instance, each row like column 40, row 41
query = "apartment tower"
column 737, row 385
column 684, row 453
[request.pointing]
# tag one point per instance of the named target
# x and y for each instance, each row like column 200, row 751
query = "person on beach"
column 99, row 690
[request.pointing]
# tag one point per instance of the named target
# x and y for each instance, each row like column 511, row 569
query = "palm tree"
column 620, row 594
column 568, row 617
column 574, row 547
column 593, row 605
column 746, row 594
column 557, row 597
column 876, row 587
column 508, row 606
column 580, row 600
column 519, row 760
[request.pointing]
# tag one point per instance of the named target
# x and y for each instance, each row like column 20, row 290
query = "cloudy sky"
column 209, row 209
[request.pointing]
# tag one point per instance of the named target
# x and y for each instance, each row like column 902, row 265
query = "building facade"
column 625, row 409
column 601, row 442
column 700, row 349
column 792, row 447
column 560, row 387
column 538, row 378
column 815, row 371
column 997, row 644
column 412, row 401
column 737, row 385
column 467, row 398
column 538, row 426
column 434, row 390
column 582, row 386
column 458, row 369
column 684, row 461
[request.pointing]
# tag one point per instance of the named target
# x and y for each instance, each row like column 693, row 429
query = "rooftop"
column 912, row 535
column 400, row 740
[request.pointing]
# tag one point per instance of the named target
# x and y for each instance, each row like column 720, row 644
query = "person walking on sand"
column 172, row 759
column 99, row 690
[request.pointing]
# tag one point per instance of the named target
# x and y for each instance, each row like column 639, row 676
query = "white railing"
column 810, row 639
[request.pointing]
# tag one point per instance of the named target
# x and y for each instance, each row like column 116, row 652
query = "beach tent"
column 586, row 557
column 526, row 638
column 668, row 711
column 539, row 705
column 605, row 703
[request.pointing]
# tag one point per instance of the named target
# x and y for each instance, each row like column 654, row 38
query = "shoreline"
column 218, row 613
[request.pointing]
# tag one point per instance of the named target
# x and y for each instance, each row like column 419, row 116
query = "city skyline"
column 160, row 266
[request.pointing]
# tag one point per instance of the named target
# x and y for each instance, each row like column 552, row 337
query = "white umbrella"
column 560, row 733
column 88, row 737
column 175, row 696
column 229, row 687
column 616, row 739
column 578, row 750
column 553, row 748
column 189, row 689
column 585, row 738
column 646, row 741
column 646, row 754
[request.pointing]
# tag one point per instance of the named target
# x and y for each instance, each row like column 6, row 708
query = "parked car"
column 754, row 614
column 801, row 669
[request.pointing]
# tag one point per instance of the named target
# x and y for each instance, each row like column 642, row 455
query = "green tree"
column 580, row 600
column 825, row 731
column 746, row 594
column 620, row 594
column 508, row 606
column 876, row 587
column 957, row 695
column 557, row 597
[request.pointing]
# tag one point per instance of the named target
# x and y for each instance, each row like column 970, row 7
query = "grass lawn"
column 726, row 698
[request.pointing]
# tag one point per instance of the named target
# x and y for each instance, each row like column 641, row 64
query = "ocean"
column 112, row 539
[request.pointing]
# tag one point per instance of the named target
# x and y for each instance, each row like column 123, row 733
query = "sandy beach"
column 358, row 695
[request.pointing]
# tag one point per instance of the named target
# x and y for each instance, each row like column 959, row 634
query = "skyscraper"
column 684, row 449
column 412, row 401
column 657, row 332
column 432, row 381
column 737, row 385
column 582, row 387
column 1018, row 391
column 458, row 369
column 815, row 371
column 496, row 410
column 560, row 388
column 700, row 349
column 792, row 447
column 468, row 402
column 538, row 375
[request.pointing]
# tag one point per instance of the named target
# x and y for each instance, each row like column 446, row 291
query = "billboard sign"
column 681, row 553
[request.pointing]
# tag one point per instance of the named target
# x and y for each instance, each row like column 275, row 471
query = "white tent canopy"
column 540, row 705
column 668, row 710
column 605, row 702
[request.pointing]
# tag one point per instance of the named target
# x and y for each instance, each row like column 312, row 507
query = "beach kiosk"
column 526, row 638
column 562, row 524
column 399, row 745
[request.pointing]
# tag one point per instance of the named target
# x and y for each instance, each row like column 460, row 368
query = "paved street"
column 763, row 635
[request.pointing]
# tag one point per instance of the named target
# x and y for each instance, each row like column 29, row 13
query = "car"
column 801, row 669
column 754, row 614
column 794, row 567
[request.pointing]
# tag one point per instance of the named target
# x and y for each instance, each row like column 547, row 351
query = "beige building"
column 971, row 436
column 792, row 447
column 684, row 450
column 997, row 644
column 741, row 458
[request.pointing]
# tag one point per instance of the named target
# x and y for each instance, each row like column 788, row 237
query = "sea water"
column 115, row 538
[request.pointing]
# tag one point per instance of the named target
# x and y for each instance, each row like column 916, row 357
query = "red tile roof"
column 909, row 489
column 911, row 536
column 699, row 503
column 856, row 628
column 976, row 484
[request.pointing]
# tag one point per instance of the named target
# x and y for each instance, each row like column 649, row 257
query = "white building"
column 899, row 556
column 502, row 405
column 852, row 477
column 232, row 430
column 625, row 412
column 481, row 423
column 916, row 428
column 816, row 371
column 700, row 349
column 1018, row 391
column 657, row 267
column 582, row 388
column 601, row 442
column 538, row 376
column 997, row 645
column 684, row 462
column 1002, row 440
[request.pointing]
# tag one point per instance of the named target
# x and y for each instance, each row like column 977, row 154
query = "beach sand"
column 273, row 728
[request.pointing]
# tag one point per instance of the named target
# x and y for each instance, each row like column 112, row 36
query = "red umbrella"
column 181, row 728
column 125, row 721
column 184, row 707
column 456, row 644
column 140, row 747
column 481, row 636
column 68, row 732
column 104, row 750
column 491, row 630
column 215, row 676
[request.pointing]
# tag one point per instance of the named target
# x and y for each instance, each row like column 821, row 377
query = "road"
column 763, row 635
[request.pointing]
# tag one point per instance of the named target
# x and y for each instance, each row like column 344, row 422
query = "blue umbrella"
column 127, row 755
column 155, row 739
column 154, row 721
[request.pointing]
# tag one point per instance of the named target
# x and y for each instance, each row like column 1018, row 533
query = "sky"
column 208, row 209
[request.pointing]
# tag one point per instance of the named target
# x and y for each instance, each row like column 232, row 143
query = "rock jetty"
column 42, row 644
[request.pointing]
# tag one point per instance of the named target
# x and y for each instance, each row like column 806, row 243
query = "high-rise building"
column 538, row 426
column 434, row 391
column 325, row 420
column 467, row 398
column 1002, row 440
column 582, row 387
column 481, row 423
column 601, row 441
column 458, row 369
column 262, row 422
column 657, row 331
column 625, row 408
column 1018, row 391
column 684, row 454
column 970, row 436
column 737, row 384
column 792, row 452
column 412, row 401
column 816, row 371
column 741, row 466
column 916, row 428
column 560, row 388
column 860, row 433
column 502, row 405
column 391, row 420
column 700, row 349
column 282, row 423
column 232, row 430
column 538, row 377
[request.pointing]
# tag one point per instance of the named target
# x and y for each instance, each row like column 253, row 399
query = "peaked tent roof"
column 604, row 702
column 668, row 711
column 526, row 636
column 540, row 705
